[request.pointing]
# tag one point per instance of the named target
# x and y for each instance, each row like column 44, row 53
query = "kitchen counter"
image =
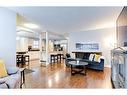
column 49, row 54
column 34, row 50
column 56, row 52
column 34, row 55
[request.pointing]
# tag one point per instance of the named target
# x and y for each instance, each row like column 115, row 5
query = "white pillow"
column 91, row 57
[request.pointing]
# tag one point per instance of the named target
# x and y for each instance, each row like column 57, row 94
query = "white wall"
column 105, row 38
column 8, row 36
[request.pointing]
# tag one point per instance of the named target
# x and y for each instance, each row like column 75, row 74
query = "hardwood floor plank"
column 59, row 76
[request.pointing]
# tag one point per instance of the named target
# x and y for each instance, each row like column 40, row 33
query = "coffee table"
column 78, row 67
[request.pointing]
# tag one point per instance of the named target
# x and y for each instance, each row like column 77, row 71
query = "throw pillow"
column 91, row 57
column 101, row 57
column 3, row 72
column 96, row 58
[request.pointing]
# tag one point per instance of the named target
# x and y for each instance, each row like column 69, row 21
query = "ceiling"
column 70, row 19
column 34, row 35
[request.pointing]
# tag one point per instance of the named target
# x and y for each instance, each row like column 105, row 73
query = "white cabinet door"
column 34, row 55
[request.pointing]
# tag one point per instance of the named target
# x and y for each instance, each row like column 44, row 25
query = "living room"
column 86, row 30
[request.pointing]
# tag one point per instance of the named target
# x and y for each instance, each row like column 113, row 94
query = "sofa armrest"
column 101, row 61
column 3, row 84
column 12, row 70
column 71, row 59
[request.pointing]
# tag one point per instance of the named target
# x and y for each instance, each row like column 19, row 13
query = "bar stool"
column 20, row 60
column 59, row 57
column 53, row 58
column 27, row 59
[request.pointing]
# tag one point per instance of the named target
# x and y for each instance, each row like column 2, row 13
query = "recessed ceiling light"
column 30, row 25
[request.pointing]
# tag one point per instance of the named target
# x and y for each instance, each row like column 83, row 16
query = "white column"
column 68, row 45
column 8, row 36
column 40, row 46
column 125, row 71
column 47, row 50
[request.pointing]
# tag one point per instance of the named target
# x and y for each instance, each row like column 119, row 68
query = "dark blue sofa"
column 91, row 64
column 95, row 65
column 67, row 60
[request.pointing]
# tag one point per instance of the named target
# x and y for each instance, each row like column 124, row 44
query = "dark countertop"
column 34, row 50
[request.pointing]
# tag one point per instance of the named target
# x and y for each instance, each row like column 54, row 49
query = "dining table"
column 21, row 58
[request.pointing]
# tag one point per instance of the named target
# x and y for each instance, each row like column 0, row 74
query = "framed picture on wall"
column 87, row 46
column 79, row 46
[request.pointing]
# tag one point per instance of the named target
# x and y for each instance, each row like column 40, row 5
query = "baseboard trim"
column 109, row 66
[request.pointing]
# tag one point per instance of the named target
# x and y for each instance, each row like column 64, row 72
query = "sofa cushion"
column 3, row 71
column 90, row 62
column 2, row 80
column 3, row 86
column 12, row 80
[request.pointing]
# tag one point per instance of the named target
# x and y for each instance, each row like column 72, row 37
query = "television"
column 121, row 28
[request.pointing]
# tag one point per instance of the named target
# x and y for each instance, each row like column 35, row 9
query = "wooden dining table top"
column 24, row 52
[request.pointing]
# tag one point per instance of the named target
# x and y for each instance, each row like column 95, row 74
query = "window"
column 35, row 44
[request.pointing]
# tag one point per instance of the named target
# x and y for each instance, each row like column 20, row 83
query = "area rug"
column 27, row 71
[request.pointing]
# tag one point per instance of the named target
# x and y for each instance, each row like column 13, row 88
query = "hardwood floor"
column 59, row 76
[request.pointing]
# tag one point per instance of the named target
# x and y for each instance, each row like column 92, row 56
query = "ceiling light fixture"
column 30, row 25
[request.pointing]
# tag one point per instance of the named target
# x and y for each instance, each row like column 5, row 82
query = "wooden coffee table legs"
column 78, row 70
